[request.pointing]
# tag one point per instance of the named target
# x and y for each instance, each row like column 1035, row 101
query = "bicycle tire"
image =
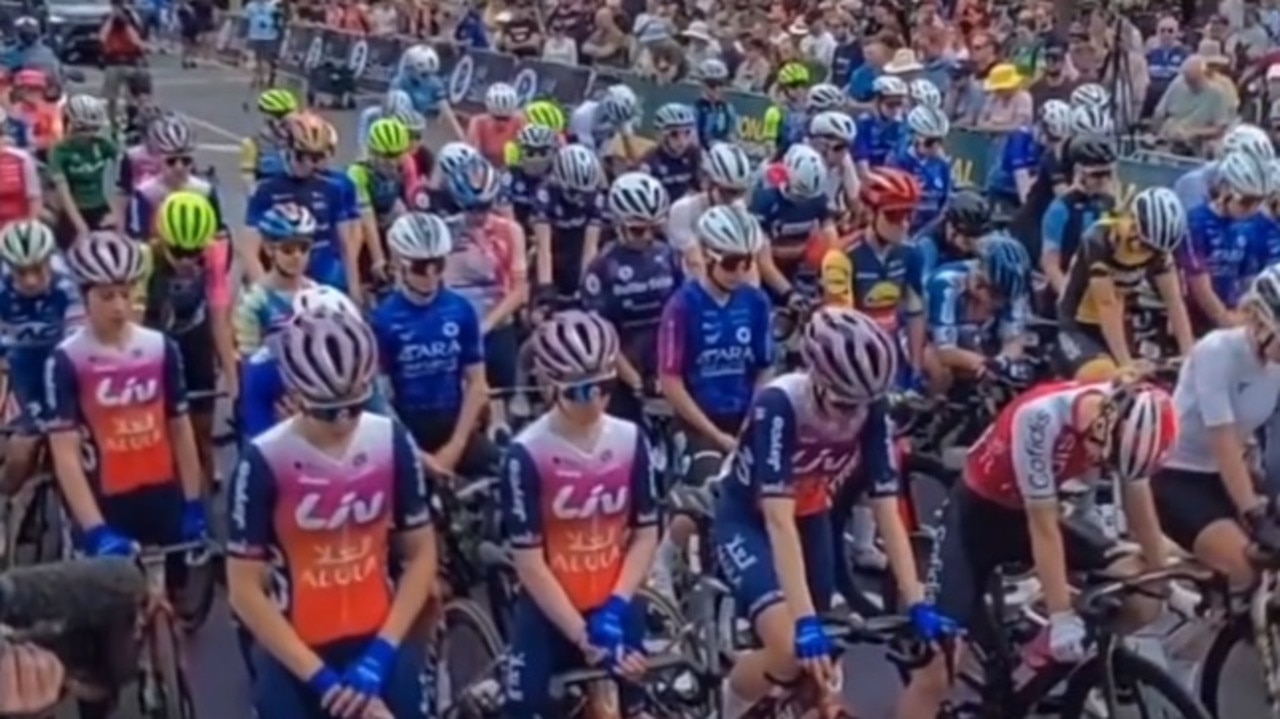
column 1132, row 667
column 175, row 700
column 656, row 604
column 1236, row 632
column 469, row 614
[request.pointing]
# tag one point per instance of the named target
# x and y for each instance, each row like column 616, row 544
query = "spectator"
column 566, row 19
column 607, row 44
column 932, row 48
column 470, row 31
column 904, row 65
column 1008, row 106
column 1217, row 68
column 817, row 45
column 848, row 53
column 863, row 78
column 1025, row 48
column 700, row 45
column 1194, row 110
column 1085, row 57
column 970, row 96
column 1056, row 79
column 752, row 73
column 519, row 33
column 668, row 63
column 1165, row 58
column 1252, row 40
column 348, row 16
column 560, row 46
column 384, row 19
column 654, row 25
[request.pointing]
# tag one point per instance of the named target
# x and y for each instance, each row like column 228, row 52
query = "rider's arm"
column 62, row 396
column 249, row 248
column 474, row 126
column 1036, row 428
column 252, row 495
column 542, row 238
column 368, row 222
column 137, row 218
column 1022, row 158
column 246, row 324
column 218, row 289
column 771, row 434
column 912, row 307
column 415, row 540
column 66, row 201
column 944, row 320
column 351, row 237
column 1053, row 230
column 881, row 473
column 124, row 185
column 673, row 333
column 643, row 521
column 518, row 294
column 591, row 235
column 1111, row 310
column 476, row 396
column 1169, row 287
column 183, row 437
column 522, row 519
column 1200, row 280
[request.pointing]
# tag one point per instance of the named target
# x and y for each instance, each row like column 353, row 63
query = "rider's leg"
column 1197, row 513
column 539, row 651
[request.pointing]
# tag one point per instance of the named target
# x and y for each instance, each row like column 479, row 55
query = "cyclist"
column 882, row 130
column 29, row 105
column 334, row 255
column 78, row 165
column 1199, row 186
column 536, row 145
column 784, row 123
column 792, row 206
column 825, row 97
column 628, row 283
column 453, row 157
column 1227, row 389
column 123, row 450
column 29, row 51
column 951, row 237
column 1006, row 509
column 715, row 118
column 674, row 161
column 709, row 370
column 831, row 133
column 263, row 155
column 1116, row 255
column 420, row 161
column 489, row 267
column 924, row 93
column 350, row 207
column 139, row 163
column 38, row 306
column 1049, row 176
column 419, row 75
column 1092, row 163
column 580, row 509
column 431, row 347
column 570, row 208
column 287, row 233
column 1090, row 95
column 774, row 523
column 726, row 176
column 491, row 131
column 977, row 316
column 21, row 192
column 380, row 188
column 925, row 158
column 393, row 102
column 1227, row 240
column 595, row 123
column 322, row 502
column 538, row 113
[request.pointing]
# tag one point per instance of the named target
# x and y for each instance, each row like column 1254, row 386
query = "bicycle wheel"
column 1231, row 678
column 170, row 693
column 469, row 658
column 1137, row 679
column 664, row 622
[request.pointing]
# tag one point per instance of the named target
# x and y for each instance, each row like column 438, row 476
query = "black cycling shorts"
column 1187, row 502
column 1078, row 346
column 432, row 429
column 199, row 364
column 66, row 233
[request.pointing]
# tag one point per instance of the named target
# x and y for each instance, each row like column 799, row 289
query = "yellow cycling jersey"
column 1103, row 252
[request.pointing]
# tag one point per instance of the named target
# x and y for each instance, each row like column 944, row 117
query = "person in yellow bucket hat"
column 1009, row 106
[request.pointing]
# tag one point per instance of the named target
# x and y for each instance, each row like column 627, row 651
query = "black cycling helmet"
column 1091, row 150
column 969, row 214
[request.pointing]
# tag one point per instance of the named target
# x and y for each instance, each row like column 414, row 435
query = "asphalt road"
column 214, row 98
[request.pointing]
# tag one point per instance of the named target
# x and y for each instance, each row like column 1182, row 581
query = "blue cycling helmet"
column 1005, row 263
column 474, row 185
column 286, row 222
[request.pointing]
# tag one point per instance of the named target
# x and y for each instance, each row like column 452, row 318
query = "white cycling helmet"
column 713, row 69
column 1161, row 218
column 574, row 346
column 323, row 298
column 674, row 116
column 327, row 357
column 421, row 59
column 1090, row 94
column 925, row 93
column 1244, row 174
column 501, row 100
column 823, row 97
column 1055, row 118
column 728, row 231
column 928, row 122
column 618, row 106
column 889, row 86
column 456, row 155
column 638, row 198
column 396, row 101
column 577, row 168
column 106, row 258
column 420, row 236
column 171, row 135
column 727, row 166
column 1092, row 120
column 806, row 172
column 1263, row 298
column 1144, row 430
column 411, row 119
column 833, row 125
column 25, row 243
column 86, row 111
column 848, row 354
column 1249, row 139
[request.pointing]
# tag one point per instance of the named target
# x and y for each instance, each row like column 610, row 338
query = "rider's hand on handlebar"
column 1263, row 524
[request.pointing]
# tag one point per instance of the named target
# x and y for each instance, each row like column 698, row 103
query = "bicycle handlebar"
column 561, row 684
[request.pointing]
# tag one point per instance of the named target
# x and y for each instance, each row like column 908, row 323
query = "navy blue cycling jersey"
column 788, row 222
column 568, row 215
column 520, row 188
column 718, row 348
column 426, row 348
column 677, row 173
column 716, row 121
column 30, row 327
column 934, row 175
column 877, row 138
column 956, row 320
column 1230, row 251
column 932, row 249
column 629, row 285
column 1021, row 151
column 327, row 201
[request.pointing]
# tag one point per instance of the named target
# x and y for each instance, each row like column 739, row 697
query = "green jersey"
column 83, row 162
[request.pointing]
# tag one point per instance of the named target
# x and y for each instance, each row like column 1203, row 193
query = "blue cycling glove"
column 195, row 525
column 811, row 641
column 929, row 623
column 103, row 541
column 607, row 626
column 367, row 675
column 323, row 681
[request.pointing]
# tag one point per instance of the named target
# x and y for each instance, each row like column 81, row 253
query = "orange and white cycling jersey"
column 19, row 185
column 490, row 136
column 487, row 259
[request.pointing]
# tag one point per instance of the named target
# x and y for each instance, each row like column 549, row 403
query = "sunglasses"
column 1168, row 30
column 678, row 132
column 931, row 141
column 179, row 161
column 898, row 215
column 1248, row 202
column 293, row 247
column 307, row 156
column 713, row 84
column 535, row 153
column 587, row 391
column 386, row 157
column 424, row 267
column 185, row 253
column 734, row 263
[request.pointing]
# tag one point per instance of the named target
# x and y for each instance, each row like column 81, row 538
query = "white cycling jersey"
column 1222, row 383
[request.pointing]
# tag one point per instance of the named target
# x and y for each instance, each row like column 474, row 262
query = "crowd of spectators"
column 1180, row 77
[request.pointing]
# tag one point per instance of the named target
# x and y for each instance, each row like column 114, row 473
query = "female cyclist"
column 579, row 564
column 539, row 113
column 420, row 160
column 1006, row 510
column 629, row 282
column 535, row 146
column 21, row 192
column 831, row 133
column 924, row 93
column 78, row 165
column 1228, row 388
column 726, row 177
column 139, row 163
column 262, row 155
column 570, row 209
column 785, row 122
column 393, row 102
column 419, row 76
column 355, row 495
column 881, row 131
column 287, row 233
column 675, row 159
column 926, row 159
column 453, row 157
column 380, row 186
column 490, row 131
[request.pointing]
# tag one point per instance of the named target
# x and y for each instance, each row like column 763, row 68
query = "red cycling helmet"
column 30, row 79
column 890, row 189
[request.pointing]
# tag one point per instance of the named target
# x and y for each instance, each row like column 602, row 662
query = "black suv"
column 71, row 27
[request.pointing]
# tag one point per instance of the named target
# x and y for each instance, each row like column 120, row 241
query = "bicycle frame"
column 151, row 690
column 1266, row 635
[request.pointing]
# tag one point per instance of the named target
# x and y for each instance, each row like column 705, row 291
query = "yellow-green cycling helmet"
column 187, row 222
column 277, row 103
column 793, row 74
column 388, row 137
column 545, row 113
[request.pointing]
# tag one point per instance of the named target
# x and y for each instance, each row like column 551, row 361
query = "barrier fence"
column 468, row 73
